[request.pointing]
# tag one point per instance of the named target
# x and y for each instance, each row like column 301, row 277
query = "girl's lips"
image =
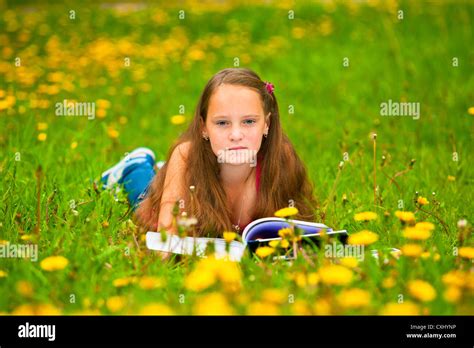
column 237, row 148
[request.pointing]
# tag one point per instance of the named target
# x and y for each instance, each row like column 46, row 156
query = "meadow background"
column 328, row 109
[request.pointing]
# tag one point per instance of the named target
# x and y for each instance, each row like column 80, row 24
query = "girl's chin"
column 239, row 164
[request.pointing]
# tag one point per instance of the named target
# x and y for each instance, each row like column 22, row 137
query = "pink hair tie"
column 269, row 86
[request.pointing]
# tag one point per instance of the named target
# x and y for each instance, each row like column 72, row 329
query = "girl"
column 234, row 160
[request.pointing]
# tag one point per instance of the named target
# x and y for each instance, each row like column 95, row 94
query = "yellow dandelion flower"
column 156, row 309
column 212, row 304
column 288, row 234
column 121, row 282
column 47, row 309
column 470, row 281
column 87, row 312
column 242, row 299
column 313, row 278
column 300, row 307
column 452, row 294
column 425, row 226
column 262, row 308
column 298, row 32
column 411, row 250
column 454, row 278
column 363, row 237
column 73, row 145
column 229, row 236
column 229, row 274
column 422, row 201
column 365, row 216
column 39, row 309
column 350, row 262
column 102, row 103
column 335, row 275
column 285, row 244
column 405, row 216
column 274, row 243
column 53, row 89
column 86, row 302
column 150, row 283
column 405, row 308
column 196, row 54
column 41, row 126
column 388, row 283
column 115, row 303
column 3, row 274
column 42, row 136
column 101, row 113
column 416, row 233
column 24, row 309
column 10, row 100
column 24, row 288
column 178, row 119
column 54, row 263
column 322, row 307
column 421, row 290
column 4, row 105
column 286, row 212
column 264, row 251
column 300, row 279
column 326, row 27
column 466, row 252
column 112, row 133
column 276, row 296
column 197, row 281
column 354, row 298
column 285, row 232
column 471, row 110
column 426, row 255
column 451, row 178
column 26, row 237
column 210, row 270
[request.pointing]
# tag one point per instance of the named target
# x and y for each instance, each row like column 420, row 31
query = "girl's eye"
column 224, row 123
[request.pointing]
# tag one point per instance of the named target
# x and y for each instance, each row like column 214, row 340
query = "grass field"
column 332, row 63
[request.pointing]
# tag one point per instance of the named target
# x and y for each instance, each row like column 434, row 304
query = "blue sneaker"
column 115, row 174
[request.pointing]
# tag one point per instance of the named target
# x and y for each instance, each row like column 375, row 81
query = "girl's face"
column 235, row 124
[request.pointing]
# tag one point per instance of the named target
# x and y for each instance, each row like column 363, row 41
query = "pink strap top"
column 257, row 184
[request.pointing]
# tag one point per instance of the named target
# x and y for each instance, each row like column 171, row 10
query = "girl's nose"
column 236, row 133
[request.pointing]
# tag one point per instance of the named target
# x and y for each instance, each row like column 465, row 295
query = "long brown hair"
column 283, row 180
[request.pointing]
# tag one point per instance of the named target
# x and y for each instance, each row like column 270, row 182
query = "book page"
column 186, row 245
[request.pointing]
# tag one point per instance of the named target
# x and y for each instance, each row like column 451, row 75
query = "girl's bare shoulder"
column 183, row 149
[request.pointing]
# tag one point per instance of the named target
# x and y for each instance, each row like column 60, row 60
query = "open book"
column 257, row 233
